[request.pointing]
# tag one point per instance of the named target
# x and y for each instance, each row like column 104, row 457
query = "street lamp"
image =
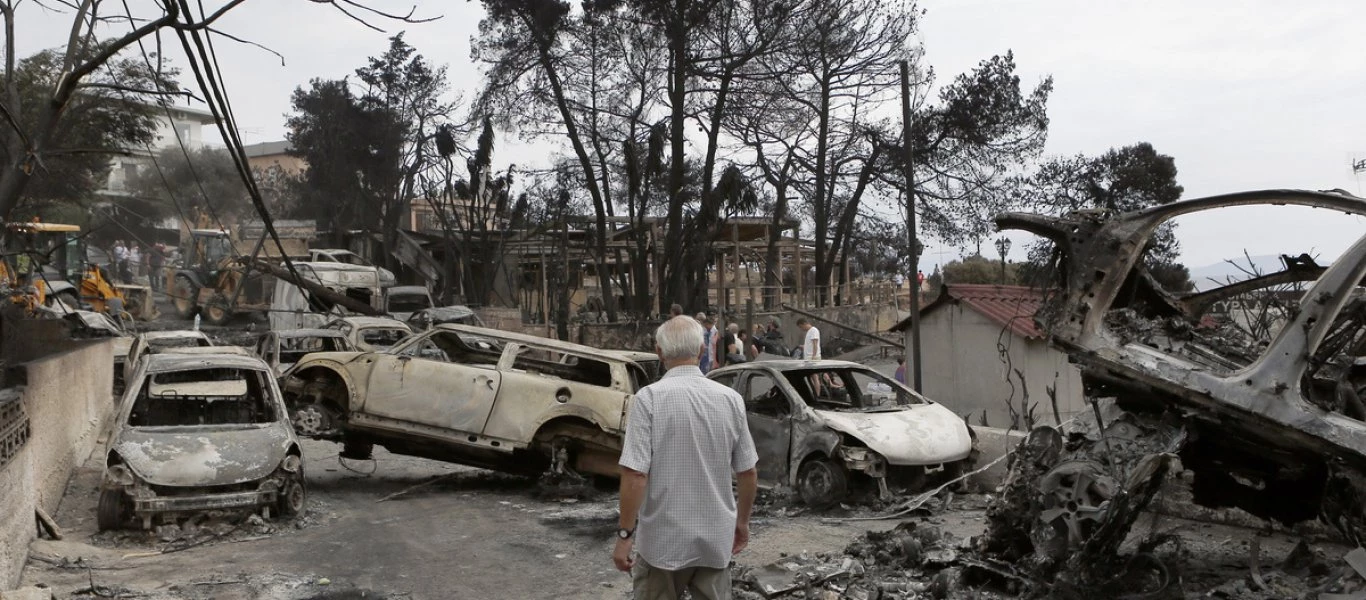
column 1003, row 248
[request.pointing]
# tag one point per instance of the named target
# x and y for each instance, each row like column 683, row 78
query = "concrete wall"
column 68, row 402
column 963, row 368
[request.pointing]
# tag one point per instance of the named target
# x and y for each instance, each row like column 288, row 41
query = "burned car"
column 474, row 396
column 371, row 333
column 200, row 432
column 1273, row 425
column 821, row 426
column 427, row 318
column 150, row 342
column 281, row 349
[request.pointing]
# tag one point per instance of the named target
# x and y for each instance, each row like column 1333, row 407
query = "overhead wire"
column 208, row 77
column 175, row 131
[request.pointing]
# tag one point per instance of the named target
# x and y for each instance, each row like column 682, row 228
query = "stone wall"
column 67, row 402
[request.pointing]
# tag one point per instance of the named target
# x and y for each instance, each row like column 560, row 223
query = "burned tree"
column 35, row 128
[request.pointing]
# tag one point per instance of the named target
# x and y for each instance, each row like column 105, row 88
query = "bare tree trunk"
column 672, row 288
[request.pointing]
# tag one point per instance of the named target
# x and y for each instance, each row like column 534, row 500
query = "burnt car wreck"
column 198, row 433
column 1271, row 426
column 828, row 427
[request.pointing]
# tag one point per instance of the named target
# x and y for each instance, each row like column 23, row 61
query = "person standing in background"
column 811, row 349
column 811, row 342
column 156, row 267
column 134, row 261
column 709, row 343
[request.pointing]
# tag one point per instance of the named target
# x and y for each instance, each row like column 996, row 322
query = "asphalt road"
column 471, row 534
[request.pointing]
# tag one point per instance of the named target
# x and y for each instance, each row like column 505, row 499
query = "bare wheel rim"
column 294, row 497
column 312, row 420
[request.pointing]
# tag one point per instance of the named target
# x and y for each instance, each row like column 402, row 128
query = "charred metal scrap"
column 1274, row 427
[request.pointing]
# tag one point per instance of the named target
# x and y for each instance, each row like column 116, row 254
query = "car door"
column 422, row 385
column 537, row 381
column 769, row 413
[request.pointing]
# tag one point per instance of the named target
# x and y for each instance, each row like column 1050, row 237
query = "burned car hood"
column 194, row 456
column 922, row 434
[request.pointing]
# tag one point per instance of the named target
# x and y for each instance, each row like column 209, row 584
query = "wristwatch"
column 624, row 533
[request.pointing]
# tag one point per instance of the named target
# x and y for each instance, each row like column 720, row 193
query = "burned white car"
column 371, row 333
column 826, row 426
column 197, row 433
column 469, row 395
column 281, row 349
column 151, row 342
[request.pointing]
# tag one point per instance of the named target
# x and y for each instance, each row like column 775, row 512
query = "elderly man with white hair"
column 685, row 437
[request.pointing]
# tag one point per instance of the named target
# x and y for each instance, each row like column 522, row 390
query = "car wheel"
column 113, row 510
column 185, row 296
column 821, row 483
column 314, row 420
column 290, row 502
column 218, row 310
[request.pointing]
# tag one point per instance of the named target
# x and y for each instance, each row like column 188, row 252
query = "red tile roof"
column 1011, row 306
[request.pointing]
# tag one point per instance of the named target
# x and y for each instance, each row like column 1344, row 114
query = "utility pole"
column 913, row 242
column 1003, row 248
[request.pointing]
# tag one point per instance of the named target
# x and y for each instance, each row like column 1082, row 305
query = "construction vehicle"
column 47, row 263
column 220, row 276
column 211, row 281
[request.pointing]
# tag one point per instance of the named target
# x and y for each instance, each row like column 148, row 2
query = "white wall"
column 964, row 370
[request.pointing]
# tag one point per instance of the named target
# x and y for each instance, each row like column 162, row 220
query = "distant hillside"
column 1217, row 274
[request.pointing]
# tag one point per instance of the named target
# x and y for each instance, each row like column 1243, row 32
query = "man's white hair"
column 679, row 338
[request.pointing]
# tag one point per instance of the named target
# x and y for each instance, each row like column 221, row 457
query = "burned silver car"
column 200, row 432
column 823, row 427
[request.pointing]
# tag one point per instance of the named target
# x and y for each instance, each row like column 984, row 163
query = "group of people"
column 130, row 262
column 732, row 346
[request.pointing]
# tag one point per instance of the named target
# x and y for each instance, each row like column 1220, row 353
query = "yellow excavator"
column 46, row 263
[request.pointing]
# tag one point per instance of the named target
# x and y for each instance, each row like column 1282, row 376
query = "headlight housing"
column 119, row 475
column 291, row 464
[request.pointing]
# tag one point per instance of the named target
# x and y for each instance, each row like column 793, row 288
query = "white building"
column 975, row 337
column 184, row 121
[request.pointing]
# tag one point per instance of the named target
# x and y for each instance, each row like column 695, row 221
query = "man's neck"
column 670, row 364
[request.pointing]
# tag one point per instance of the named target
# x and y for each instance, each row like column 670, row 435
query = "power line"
column 170, row 118
column 216, row 99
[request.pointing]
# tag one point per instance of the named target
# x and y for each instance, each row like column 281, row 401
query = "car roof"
column 367, row 322
column 208, row 350
column 409, row 289
column 784, row 365
column 161, row 363
column 331, row 250
column 531, row 339
column 172, row 334
column 636, row 355
column 301, row 333
column 454, row 311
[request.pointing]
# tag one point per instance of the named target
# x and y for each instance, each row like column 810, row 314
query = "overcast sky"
column 1244, row 94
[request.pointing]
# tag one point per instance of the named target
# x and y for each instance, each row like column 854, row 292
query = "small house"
column 983, row 354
